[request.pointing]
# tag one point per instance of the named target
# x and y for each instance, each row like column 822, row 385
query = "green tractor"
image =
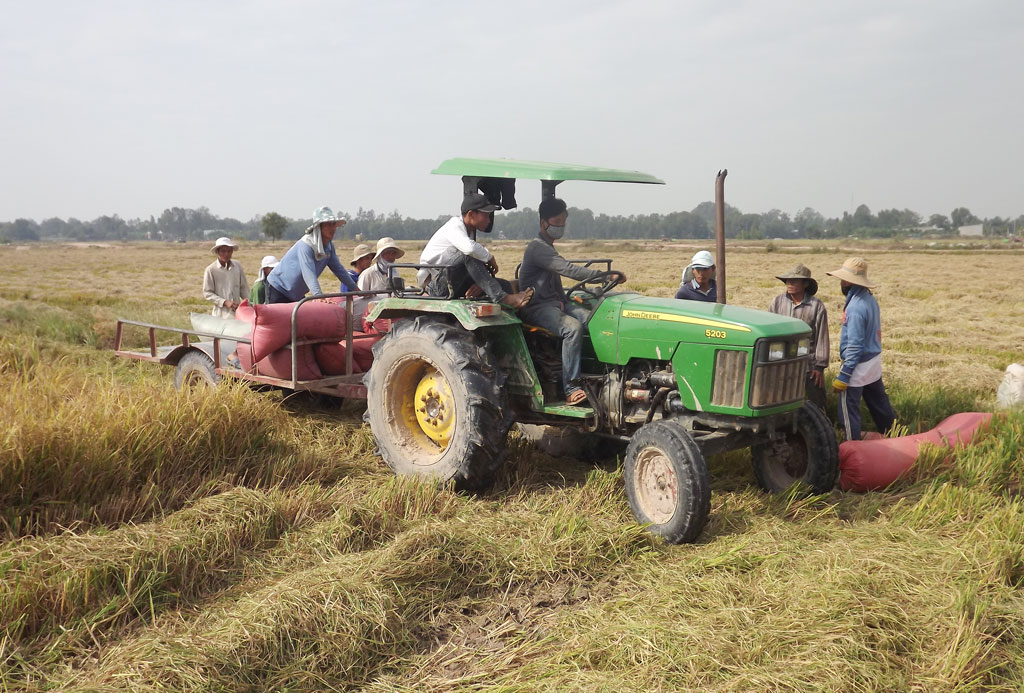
column 674, row 381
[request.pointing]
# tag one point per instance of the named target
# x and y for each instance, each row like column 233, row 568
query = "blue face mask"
column 555, row 232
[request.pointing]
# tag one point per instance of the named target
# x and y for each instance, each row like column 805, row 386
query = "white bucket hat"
column 385, row 243
column 360, row 251
column 269, row 261
column 321, row 215
column 223, row 241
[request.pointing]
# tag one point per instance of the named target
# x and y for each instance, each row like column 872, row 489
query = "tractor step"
column 568, row 410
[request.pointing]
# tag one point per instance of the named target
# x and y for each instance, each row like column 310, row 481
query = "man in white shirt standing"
column 224, row 281
column 471, row 266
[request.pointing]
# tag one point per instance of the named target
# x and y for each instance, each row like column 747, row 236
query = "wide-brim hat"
column 269, row 261
column 321, row 215
column 222, row 242
column 385, row 243
column 801, row 272
column 359, row 252
column 855, row 271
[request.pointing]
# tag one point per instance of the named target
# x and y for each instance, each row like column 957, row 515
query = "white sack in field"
column 1011, row 390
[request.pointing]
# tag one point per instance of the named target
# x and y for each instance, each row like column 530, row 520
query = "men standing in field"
column 224, row 282
column 542, row 270
column 258, row 294
column 362, row 257
column 799, row 301
column 699, row 279
column 860, row 349
column 472, row 267
column 300, row 268
column 375, row 277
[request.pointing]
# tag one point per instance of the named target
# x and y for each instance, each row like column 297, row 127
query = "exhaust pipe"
column 720, row 233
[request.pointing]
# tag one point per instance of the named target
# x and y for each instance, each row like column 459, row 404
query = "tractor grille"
column 778, row 383
column 730, row 378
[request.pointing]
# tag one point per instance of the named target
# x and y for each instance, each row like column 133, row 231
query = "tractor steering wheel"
column 608, row 280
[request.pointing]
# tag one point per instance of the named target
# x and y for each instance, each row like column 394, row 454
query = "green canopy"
column 539, row 170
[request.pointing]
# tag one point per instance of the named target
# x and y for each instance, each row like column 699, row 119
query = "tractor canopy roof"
column 539, row 170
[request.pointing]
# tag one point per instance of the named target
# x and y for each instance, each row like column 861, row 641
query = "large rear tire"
column 195, row 369
column 667, row 481
column 434, row 404
column 810, row 455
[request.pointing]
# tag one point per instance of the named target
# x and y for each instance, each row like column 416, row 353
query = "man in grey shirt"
column 542, row 270
column 800, row 301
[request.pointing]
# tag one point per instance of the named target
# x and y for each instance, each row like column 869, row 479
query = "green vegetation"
column 231, row 539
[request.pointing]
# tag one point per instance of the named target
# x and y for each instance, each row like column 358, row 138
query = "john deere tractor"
column 673, row 381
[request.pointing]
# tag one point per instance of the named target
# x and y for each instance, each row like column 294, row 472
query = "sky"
column 249, row 107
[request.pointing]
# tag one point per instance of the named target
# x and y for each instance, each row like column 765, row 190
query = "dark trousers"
column 877, row 401
column 814, row 393
column 275, row 296
column 463, row 274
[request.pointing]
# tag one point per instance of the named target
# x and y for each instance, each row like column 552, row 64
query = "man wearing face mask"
column 542, row 270
column 375, row 276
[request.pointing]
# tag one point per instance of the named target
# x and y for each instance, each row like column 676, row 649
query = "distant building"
column 972, row 230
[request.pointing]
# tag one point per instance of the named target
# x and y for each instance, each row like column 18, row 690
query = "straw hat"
column 855, row 271
column 359, row 252
column 321, row 215
column 801, row 272
column 385, row 243
column 269, row 261
column 222, row 242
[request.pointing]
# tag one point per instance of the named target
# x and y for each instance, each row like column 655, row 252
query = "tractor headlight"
column 776, row 351
column 803, row 347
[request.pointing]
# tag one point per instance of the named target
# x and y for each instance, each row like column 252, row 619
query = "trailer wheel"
column 809, row 455
column 195, row 369
column 434, row 404
column 667, row 481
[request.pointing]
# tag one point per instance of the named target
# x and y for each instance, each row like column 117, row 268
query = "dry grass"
column 233, row 540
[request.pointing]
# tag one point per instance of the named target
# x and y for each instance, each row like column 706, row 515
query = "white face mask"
column 555, row 232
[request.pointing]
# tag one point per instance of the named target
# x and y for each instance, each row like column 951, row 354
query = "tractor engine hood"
column 627, row 326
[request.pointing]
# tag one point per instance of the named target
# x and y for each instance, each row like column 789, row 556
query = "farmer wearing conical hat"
column 224, row 282
column 799, row 301
column 860, row 348
column 300, row 268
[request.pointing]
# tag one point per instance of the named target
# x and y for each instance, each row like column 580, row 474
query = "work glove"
column 839, row 386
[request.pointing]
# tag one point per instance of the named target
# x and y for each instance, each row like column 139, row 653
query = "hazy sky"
column 249, row 107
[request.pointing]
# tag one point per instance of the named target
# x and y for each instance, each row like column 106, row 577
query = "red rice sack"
column 278, row 364
column 869, row 465
column 315, row 320
column 331, row 357
column 961, row 428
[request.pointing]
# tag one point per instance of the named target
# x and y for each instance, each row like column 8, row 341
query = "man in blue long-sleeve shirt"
column 300, row 268
column 860, row 350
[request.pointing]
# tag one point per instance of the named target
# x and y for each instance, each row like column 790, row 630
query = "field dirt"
column 238, row 540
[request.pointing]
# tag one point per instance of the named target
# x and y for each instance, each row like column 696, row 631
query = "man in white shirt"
column 224, row 282
column 471, row 267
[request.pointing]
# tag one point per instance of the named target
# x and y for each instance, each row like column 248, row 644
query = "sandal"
column 574, row 397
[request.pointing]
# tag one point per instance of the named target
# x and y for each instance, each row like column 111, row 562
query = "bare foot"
column 517, row 301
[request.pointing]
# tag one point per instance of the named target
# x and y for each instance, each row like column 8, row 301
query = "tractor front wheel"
column 667, row 481
column 434, row 404
column 809, row 455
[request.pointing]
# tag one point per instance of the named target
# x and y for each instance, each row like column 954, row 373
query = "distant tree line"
column 178, row 224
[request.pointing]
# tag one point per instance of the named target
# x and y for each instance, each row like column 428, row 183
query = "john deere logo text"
column 670, row 317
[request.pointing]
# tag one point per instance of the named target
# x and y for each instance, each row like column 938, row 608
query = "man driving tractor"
column 550, row 308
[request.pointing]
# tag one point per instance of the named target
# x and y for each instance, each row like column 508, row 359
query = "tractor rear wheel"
column 434, row 404
column 667, row 481
column 195, row 369
column 809, row 455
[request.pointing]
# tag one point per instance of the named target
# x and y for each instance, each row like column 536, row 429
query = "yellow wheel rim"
column 434, row 408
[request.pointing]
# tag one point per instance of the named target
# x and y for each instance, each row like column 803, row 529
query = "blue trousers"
column 877, row 401
column 566, row 323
